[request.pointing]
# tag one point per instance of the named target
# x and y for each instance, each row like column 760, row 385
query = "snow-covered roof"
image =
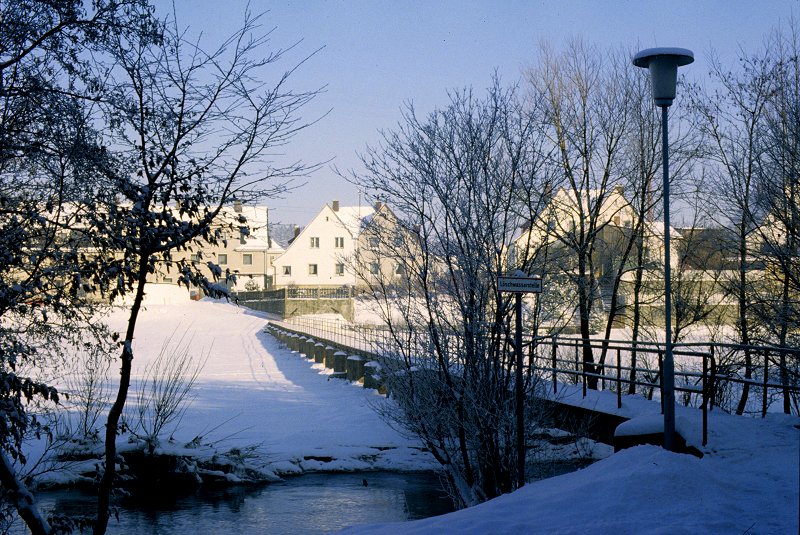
column 354, row 218
column 657, row 229
column 275, row 247
column 253, row 244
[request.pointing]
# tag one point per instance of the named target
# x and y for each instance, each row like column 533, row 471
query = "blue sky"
column 379, row 55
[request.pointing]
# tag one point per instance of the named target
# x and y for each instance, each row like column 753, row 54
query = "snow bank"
column 252, row 391
column 747, row 482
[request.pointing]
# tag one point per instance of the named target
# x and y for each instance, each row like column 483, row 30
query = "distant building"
column 356, row 246
column 244, row 249
column 319, row 254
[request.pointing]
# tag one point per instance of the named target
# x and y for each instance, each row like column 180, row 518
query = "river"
column 309, row 504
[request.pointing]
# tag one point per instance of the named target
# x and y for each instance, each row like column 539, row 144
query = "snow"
column 254, row 391
column 748, row 481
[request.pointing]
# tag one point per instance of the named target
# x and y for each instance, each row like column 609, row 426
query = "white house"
column 318, row 256
column 245, row 249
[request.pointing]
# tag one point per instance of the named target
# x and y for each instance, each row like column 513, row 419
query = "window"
column 312, row 269
column 374, row 242
column 195, row 257
column 315, row 243
column 339, row 269
column 399, row 270
column 247, row 259
column 222, row 259
column 375, row 268
column 398, row 240
column 339, row 243
column 287, row 270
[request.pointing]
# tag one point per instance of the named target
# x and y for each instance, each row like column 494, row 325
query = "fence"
column 360, row 338
column 292, row 301
column 706, row 375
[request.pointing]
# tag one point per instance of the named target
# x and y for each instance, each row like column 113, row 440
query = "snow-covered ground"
column 253, row 390
column 748, row 481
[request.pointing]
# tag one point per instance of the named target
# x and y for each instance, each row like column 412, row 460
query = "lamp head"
column 663, row 64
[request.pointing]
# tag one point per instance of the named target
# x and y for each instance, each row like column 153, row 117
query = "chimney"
column 237, row 207
column 335, row 206
column 378, row 205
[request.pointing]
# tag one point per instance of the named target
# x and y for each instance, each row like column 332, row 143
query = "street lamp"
column 663, row 64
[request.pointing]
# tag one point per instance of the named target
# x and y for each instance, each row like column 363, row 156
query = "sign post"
column 519, row 284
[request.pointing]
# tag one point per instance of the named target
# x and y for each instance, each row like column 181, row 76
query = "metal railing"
column 706, row 375
column 292, row 292
column 361, row 338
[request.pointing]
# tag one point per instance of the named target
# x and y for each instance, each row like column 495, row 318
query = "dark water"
column 308, row 504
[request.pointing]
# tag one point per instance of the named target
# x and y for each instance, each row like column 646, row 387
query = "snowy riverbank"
column 254, row 391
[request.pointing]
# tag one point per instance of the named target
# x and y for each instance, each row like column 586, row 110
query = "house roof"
column 275, row 247
column 257, row 244
column 354, row 218
column 657, row 229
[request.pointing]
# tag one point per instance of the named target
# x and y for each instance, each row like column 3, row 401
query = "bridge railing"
column 719, row 371
column 706, row 375
column 363, row 338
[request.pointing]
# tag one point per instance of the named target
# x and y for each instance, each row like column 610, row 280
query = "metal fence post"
column 555, row 367
column 661, row 379
column 705, row 399
column 583, row 369
column 619, row 383
column 764, row 395
column 576, row 362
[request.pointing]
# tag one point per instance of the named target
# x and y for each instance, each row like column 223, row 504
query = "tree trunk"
column 22, row 498
column 107, row 481
column 784, row 331
column 584, row 306
column 744, row 328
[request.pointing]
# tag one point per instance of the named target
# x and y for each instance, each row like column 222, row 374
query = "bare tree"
column 49, row 155
column 458, row 181
column 190, row 131
column 731, row 119
column 778, row 198
column 586, row 116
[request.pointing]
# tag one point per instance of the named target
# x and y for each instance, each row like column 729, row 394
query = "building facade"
column 320, row 254
column 244, row 249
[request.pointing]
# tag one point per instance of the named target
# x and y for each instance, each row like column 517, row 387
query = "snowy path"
column 252, row 390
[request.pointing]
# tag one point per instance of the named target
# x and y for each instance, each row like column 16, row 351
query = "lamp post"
column 663, row 64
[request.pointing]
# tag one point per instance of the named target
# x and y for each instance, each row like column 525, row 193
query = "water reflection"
column 309, row 504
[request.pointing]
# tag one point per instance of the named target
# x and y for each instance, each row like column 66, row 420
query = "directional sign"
column 519, row 284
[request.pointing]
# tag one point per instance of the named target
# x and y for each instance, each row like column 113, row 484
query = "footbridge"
column 706, row 375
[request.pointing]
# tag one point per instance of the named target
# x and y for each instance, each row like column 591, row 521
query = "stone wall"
column 289, row 302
